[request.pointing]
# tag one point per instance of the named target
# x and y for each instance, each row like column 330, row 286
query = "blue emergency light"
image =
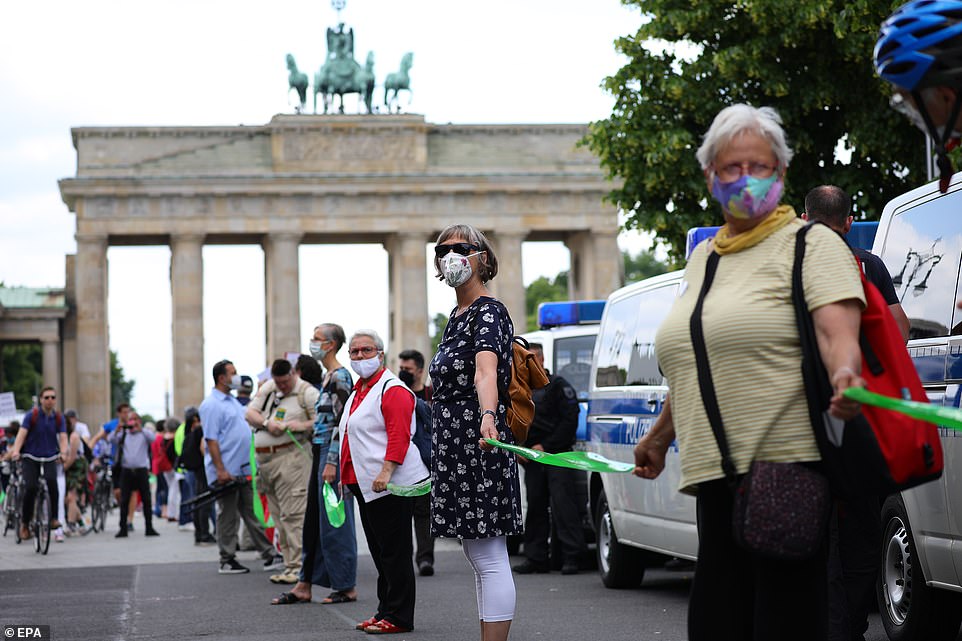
column 578, row 312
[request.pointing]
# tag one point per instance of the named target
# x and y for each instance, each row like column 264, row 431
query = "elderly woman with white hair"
column 375, row 431
column 749, row 332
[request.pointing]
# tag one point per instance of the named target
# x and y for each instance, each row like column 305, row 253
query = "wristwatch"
column 493, row 415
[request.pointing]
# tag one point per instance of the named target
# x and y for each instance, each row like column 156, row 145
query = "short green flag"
column 947, row 416
column 587, row 461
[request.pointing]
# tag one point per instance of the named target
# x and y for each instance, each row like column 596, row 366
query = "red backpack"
column 880, row 451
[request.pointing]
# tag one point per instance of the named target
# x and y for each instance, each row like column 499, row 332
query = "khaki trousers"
column 283, row 477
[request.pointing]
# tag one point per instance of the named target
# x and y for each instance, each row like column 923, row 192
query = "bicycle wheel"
column 41, row 522
column 9, row 508
column 98, row 512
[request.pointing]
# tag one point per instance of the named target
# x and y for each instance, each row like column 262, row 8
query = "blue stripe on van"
column 621, row 406
column 929, row 363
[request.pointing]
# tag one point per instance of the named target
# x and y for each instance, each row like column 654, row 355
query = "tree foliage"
column 20, row 371
column 642, row 265
column 810, row 59
column 121, row 389
column 542, row 290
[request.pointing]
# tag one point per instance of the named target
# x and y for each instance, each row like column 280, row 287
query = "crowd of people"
column 311, row 423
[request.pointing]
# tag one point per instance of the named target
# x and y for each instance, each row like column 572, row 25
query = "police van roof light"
column 570, row 313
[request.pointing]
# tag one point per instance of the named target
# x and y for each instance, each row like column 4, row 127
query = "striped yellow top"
column 753, row 350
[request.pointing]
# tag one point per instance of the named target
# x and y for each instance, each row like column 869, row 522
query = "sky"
column 67, row 64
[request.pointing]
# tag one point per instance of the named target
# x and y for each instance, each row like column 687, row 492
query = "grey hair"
column 735, row 120
column 487, row 261
column 370, row 333
column 332, row 332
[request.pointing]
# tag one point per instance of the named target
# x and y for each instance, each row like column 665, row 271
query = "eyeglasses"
column 735, row 170
column 49, row 398
column 458, row 248
column 363, row 351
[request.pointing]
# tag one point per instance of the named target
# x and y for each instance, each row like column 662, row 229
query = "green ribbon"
column 947, row 416
column 299, row 446
column 587, row 461
column 333, row 506
column 418, row 489
column 258, row 507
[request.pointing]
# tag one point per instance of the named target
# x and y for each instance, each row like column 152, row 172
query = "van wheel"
column 911, row 610
column 620, row 565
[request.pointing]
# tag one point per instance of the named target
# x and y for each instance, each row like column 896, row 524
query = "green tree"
column 642, row 265
column 20, row 371
column 810, row 59
column 439, row 322
column 121, row 389
column 543, row 290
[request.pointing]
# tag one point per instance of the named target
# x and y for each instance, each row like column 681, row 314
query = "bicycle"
column 11, row 502
column 103, row 493
column 42, row 507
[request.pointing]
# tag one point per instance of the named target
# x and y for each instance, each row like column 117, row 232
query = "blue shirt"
column 41, row 438
column 223, row 420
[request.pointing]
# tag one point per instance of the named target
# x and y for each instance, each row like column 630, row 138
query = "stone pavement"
column 102, row 549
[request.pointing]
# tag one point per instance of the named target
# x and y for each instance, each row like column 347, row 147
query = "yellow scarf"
column 726, row 243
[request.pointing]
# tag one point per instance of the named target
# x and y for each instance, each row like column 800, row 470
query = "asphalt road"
column 96, row 588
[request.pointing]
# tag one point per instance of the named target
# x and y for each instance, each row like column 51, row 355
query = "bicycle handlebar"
column 41, row 459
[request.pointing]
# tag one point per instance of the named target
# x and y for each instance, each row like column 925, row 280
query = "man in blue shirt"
column 43, row 434
column 228, row 439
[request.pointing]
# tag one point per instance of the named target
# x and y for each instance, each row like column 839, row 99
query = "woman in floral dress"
column 475, row 492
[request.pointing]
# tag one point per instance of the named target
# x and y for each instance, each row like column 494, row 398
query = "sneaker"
column 426, row 569
column 151, row 532
column 186, row 527
column 130, row 527
column 288, row 578
column 121, row 535
column 204, row 543
column 530, row 567
column 276, row 562
column 232, row 567
column 58, row 535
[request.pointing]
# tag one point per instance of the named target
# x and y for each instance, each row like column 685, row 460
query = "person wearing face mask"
column 228, row 442
column 376, row 449
column 918, row 52
column 282, row 416
column 752, row 341
column 330, row 553
column 475, row 491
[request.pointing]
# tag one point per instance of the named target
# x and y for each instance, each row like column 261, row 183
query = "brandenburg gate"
column 389, row 179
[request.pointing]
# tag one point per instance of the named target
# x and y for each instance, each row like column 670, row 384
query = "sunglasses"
column 458, row 248
column 49, row 398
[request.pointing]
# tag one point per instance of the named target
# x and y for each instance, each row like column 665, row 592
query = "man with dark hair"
column 228, row 440
column 122, row 410
column 411, row 373
column 42, row 434
column 282, row 415
column 552, row 488
column 133, row 444
column 831, row 205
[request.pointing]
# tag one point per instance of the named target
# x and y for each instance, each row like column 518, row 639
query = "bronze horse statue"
column 341, row 74
column 298, row 81
column 397, row 81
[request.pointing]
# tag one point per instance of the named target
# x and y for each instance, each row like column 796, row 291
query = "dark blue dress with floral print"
column 474, row 494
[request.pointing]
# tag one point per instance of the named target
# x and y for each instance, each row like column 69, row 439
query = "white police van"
column 567, row 336
column 639, row 522
column 920, row 587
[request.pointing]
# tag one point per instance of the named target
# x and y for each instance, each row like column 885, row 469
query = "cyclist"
column 43, row 433
column 919, row 50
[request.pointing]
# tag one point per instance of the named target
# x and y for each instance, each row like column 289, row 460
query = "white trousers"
column 492, row 576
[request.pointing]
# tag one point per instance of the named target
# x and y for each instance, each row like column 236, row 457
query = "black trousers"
column 131, row 479
column 201, row 515
column 554, row 488
column 422, row 529
column 853, row 564
column 387, row 527
column 737, row 596
column 31, row 483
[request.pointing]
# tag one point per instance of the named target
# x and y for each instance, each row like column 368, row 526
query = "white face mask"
column 456, row 268
column 316, row 351
column 235, row 381
column 365, row 368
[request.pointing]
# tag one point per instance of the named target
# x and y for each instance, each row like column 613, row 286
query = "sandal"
column 288, row 598
column 338, row 597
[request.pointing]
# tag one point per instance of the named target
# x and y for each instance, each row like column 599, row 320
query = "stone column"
column 596, row 264
column 608, row 267
column 508, row 285
column 408, row 305
column 51, row 365
column 283, row 293
column 68, row 393
column 187, row 319
column 93, row 357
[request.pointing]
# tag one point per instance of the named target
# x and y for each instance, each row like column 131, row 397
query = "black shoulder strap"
column 705, row 382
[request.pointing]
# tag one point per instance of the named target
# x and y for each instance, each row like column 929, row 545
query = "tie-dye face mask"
column 748, row 197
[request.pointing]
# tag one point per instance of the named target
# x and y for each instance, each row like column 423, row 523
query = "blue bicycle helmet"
column 920, row 45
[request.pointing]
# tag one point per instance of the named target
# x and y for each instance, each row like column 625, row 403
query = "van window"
column 922, row 250
column 572, row 361
column 626, row 353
